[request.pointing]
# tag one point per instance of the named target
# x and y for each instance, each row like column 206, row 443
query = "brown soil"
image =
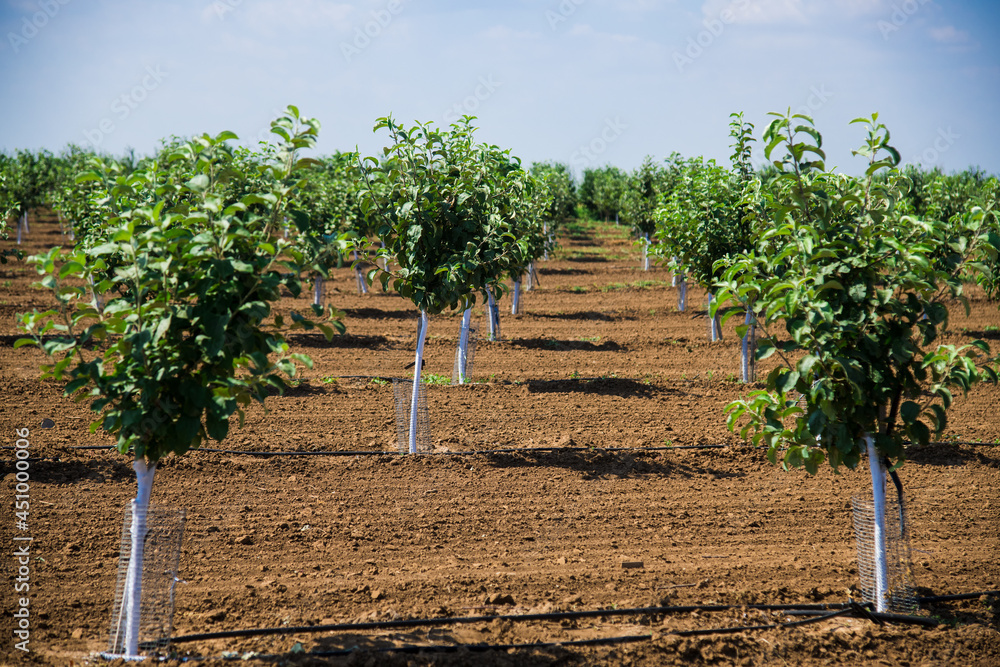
column 599, row 359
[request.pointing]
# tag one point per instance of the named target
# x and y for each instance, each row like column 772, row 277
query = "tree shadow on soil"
column 65, row 471
column 562, row 272
column 379, row 314
column 946, row 454
column 343, row 341
column 553, row 344
column 598, row 464
column 584, row 315
column 599, row 386
column 586, row 258
column 370, row 650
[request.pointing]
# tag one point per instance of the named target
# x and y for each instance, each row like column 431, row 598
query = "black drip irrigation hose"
column 474, row 452
column 960, row 596
column 839, row 608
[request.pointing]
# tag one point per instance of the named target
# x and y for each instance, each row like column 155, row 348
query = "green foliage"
column 449, row 213
column 183, row 340
column 557, row 181
column 327, row 210
column 26, row 179
column 862, row 292
column 601, row 191
column 640, row 196
column 701, row 220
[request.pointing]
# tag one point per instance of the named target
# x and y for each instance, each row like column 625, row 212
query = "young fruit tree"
column 701, row 218
column 639, row 199
column 439, row 203
column 861, row 293
column 327, row 209
column 560, row 199
column 182, row 340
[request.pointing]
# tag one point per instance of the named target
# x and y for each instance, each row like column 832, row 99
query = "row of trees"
column 177, row 259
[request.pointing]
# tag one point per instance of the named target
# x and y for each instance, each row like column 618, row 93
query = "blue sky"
column 586, row 82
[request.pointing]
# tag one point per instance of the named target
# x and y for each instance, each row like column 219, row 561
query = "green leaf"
column 909, row 412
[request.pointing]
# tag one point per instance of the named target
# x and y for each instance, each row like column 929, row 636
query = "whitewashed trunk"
column 515, row 303
column 133, row 583
column 463, row 345
column 362, row 283
column 645, row 252
column 682, row 293
column 749, row 348
column 318, row 291
column 493, row 315
column 714, row 328
column 878, row 532
column 415, row 394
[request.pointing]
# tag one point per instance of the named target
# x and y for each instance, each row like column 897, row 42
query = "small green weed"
column 431, row 378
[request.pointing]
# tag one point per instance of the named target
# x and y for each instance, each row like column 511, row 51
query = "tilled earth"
column 588, row 467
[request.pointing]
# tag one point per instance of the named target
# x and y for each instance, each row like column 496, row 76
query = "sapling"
column 850, row 279
column 443, row 209
column 185, row 345
column 639, row 200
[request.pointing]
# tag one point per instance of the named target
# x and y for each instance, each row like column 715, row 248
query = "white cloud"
column 949, row 35
column 585, row 30
column 775, row 12
column 272, row 15
column 755, row 11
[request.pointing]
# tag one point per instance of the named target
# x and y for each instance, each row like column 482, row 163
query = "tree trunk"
column 878, row 532
column 318, row 291
column 463, row 345
column 493, row 314
column 362, row 283
column 749, row 348
column 415, row 394
column 133, row 582
column 682, row 293
column 515, row 303
column 714, row 328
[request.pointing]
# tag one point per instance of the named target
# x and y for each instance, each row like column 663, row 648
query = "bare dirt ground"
column 598, row 387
